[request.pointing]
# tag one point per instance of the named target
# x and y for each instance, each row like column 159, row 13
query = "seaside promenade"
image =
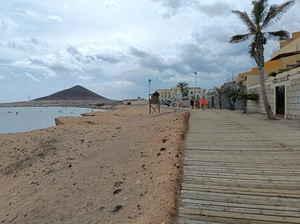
column 240, row 168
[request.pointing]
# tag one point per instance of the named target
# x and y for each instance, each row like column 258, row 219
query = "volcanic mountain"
column 74, row 93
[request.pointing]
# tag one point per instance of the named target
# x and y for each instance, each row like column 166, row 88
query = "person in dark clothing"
column 192, row 103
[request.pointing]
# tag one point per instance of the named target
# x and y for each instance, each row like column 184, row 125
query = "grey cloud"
column 139, row 53
column 91, row 58
column 112, row 4
column 16, row 45
column 192, row 57
column 218, row 34
column 171, row 3
column 170, row 7
column 7, row 25
column 35, row 15
column 4, row 25
column 215, row 9
column 207, row 63
column 55, row 65
column 73, row 50
column 27, row 45
column 38, row 61
column 150, row 60
column 109, row 59
column 154, row 62
column 86, row 59
column 36, row 40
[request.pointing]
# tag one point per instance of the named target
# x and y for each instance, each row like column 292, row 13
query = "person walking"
column 192, row 103
column 197, row 104
column 203, row 103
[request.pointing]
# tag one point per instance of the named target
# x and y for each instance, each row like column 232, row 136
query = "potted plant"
column 273, row 74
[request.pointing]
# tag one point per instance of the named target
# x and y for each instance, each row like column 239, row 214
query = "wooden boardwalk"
column 240, row 169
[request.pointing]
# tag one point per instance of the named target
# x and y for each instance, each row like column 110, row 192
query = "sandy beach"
column 118, row 166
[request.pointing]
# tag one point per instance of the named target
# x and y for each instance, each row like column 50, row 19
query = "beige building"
column 289, row 46
column 283, row 89
column 283, row 93
column 175, row 94
column 285, row 57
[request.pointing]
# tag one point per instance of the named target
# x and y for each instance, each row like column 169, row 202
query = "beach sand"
column 118, row 166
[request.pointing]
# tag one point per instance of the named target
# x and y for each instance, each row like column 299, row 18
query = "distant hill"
column 75, row 93
column 76, row 96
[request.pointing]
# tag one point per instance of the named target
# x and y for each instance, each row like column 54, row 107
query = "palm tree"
column 183, row 88
column 261, row 18
column 220, row 92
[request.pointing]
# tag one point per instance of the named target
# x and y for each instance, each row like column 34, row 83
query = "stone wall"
column 255, row 106
column 293, row 100
column 292, row 94
column 258, row 106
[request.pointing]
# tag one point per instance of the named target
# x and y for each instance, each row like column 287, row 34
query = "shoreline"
column 61, row 103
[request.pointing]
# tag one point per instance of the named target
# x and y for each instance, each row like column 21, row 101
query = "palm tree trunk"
column 260, row 62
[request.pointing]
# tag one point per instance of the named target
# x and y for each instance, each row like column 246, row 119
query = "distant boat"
column 9, row 112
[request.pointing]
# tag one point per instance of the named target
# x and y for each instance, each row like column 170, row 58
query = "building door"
column 280, row 100
column 212, row 102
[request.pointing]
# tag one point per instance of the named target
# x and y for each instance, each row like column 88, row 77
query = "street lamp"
column 196, row 78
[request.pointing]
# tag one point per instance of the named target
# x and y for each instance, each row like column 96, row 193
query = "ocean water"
column 22, row 119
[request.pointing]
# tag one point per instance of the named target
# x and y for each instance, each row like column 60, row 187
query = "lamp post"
column 196, row 78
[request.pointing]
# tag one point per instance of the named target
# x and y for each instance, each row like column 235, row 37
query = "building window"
column 297, row 47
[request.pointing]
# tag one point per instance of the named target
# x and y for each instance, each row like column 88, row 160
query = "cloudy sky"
column 113, row 47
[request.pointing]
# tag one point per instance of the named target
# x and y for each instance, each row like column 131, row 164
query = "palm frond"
column 220, row 90
column 245, row 19
column 259, row 11
column 182, row 85
column 239, row 38
column 252, row 50
column 275, row 13
column 279, row 35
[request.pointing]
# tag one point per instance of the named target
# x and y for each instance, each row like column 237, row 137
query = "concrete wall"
column 273, row 66
column 253, row 80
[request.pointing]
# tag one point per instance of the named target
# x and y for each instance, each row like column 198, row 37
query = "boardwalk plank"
column 275, row 210
column 239, row 170
column 242, row 216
